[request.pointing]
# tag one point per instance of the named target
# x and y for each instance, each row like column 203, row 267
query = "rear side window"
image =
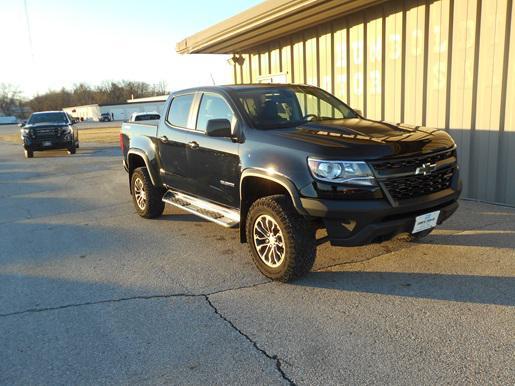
column 180, row 110
column 213, row 107
column 147, row 117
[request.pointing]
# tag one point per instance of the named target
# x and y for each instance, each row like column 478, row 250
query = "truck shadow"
column 84, row 151
column 495, row 290
column 497, row 238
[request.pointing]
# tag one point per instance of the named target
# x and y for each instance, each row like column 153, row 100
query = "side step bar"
column 205, row 209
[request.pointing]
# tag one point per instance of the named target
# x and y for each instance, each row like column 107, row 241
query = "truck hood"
column 358, row 138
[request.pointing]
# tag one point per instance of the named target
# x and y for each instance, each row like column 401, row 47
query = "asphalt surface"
column 92, row 294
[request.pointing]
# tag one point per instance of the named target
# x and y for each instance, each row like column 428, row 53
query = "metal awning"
column 267, row 21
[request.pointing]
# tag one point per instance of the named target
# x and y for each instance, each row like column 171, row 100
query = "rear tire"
column 147, row 198
column 282, row 242
column 29, row 153
column 72, row 150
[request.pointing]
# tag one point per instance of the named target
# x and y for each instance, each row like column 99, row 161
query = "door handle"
column 193, row 145
column 164, row 139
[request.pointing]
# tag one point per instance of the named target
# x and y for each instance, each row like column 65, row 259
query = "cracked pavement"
column 92, row 294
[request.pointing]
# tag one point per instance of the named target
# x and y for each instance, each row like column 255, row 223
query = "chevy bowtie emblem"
column 426, row 169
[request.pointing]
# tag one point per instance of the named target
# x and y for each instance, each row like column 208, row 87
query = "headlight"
column 348, row 172
column 66, row 130
column 27, row 133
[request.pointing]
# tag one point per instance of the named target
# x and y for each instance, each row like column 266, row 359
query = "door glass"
column 213, row 107
column 180, row 110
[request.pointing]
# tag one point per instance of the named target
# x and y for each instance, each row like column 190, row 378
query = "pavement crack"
column 107, row 301
column 206, row 296
column 238, row 288
column 385, row 253
column 118, row 300
column 275, row 358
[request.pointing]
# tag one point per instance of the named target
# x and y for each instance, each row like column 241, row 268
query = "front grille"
column 403, row 188
column 398, row 166
column 399, row 178
column 46, row 133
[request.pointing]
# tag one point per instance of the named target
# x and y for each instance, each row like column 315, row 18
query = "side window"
column 213, row 106
column 180, row 110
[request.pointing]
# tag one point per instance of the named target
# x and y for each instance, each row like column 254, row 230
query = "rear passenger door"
column 215, row 162
column 173, row 141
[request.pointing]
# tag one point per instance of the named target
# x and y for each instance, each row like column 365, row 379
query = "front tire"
column 147, row 198
column 72, row 150
column 29, row 153
column 282, row 242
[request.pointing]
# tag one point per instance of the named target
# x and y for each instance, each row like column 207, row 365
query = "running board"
column 205, row 209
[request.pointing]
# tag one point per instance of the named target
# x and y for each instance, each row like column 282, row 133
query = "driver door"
column 214, row 164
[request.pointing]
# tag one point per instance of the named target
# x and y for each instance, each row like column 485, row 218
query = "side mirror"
column 22, row 123
column 359, row 112
column 219, row 128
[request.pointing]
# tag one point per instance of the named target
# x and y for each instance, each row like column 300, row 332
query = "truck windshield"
column 279, row 107
column 47, row 118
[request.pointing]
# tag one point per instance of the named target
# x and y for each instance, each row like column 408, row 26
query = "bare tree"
column 10, row 100
column 160, row 88
column 109, row 92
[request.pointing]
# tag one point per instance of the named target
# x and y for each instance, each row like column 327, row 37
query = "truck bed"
column 146, row 128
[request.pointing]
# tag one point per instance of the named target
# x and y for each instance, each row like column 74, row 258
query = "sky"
column 91, row 41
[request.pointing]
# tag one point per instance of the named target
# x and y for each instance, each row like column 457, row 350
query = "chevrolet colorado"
column 283, row 161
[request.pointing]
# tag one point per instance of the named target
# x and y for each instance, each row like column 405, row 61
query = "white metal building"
column 119, row 111
column 447, row 64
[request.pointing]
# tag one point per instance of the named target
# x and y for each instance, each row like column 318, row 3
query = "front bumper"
column 353, row 223
column 48, row 144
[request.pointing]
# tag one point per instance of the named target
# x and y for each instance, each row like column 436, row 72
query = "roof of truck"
column 230, row 87
column 49, row 111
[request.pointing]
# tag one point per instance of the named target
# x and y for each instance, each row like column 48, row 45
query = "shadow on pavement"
column 83, row 151
column 499, row 290
column 502, row 238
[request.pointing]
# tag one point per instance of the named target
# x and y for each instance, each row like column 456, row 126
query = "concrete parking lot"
column 92, row 294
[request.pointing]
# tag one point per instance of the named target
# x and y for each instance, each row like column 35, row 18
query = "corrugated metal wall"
column 447, row 64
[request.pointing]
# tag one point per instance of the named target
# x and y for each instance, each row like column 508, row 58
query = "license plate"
column 47, row 143
column 426, row 221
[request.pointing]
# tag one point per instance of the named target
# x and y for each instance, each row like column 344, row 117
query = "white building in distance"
column 118, row 111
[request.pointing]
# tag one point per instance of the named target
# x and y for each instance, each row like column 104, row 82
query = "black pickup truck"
column 286, row 163
column 47, row 130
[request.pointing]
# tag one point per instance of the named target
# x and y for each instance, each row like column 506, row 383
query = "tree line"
column 12, row 103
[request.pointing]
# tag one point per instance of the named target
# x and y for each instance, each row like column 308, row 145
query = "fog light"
column 349, row 224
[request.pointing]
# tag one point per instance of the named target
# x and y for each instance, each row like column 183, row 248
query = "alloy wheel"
column 139, row 193
column 269, row 241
